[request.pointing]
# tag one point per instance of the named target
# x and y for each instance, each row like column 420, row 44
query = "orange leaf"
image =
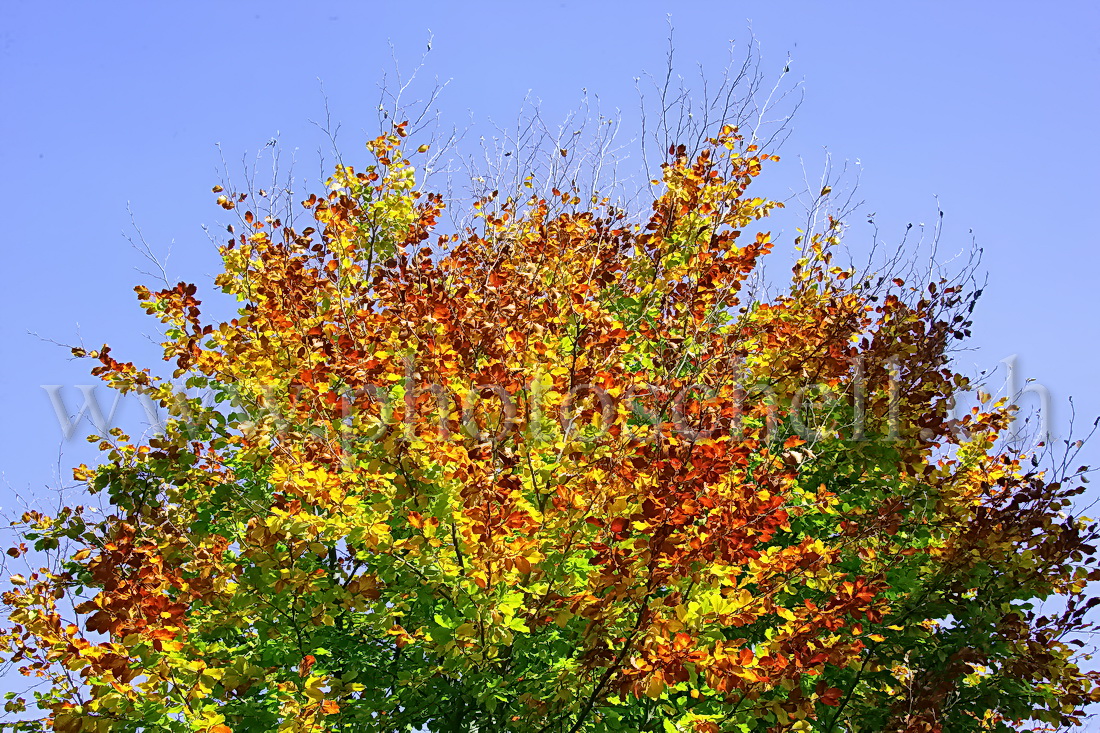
column 306, row 664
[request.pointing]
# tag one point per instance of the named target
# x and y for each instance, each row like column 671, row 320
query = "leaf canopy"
column 563, row 471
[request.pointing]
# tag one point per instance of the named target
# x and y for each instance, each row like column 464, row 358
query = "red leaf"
column 831, row 696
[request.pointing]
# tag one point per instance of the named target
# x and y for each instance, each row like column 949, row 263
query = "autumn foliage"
column 561, row 471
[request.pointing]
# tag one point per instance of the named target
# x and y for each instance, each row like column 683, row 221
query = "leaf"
column 655, row 686
column 306, row 665
column 831, row 696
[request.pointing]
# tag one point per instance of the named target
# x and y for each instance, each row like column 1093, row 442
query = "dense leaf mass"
column 563, row 471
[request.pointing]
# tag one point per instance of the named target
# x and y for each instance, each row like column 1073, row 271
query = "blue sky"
column 987, row 108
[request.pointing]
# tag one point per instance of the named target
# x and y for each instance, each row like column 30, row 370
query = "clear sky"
column 989, row 106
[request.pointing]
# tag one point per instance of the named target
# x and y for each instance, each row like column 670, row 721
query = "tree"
column 561, row 472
